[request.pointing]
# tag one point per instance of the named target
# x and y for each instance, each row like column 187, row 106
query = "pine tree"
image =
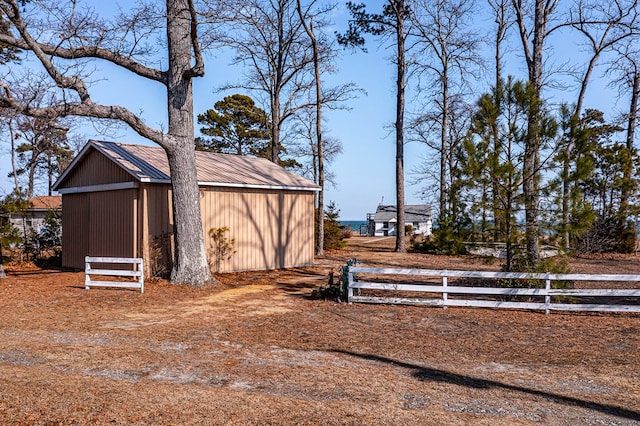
column 234, row 126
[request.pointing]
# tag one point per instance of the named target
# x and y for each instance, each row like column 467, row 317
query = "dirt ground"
column 256, row 349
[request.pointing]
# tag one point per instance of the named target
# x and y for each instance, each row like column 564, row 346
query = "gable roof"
column 149, row 164
column 412, row 213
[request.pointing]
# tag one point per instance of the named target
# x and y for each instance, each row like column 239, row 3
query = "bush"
column 551, row 265
column 221, row 247
column 608, row 236
column 447, row 238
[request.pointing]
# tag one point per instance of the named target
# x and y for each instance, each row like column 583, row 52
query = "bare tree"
column 503, row 17
column 39, row 146
column 449, row 59
column 306, row 150
column 269, row 39
column 63, row 37
column 319, row 160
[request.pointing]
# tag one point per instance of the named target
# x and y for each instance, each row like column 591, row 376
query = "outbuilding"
column 116, row 201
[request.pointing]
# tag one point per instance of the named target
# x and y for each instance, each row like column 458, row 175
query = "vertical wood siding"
column 98, row 224
column 75, row 230
column 156, row 223
column 272, row 229
column 96, row 169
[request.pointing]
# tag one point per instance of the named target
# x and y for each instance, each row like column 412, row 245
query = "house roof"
column 412, row 213
column 52, row 202
column 149, row 164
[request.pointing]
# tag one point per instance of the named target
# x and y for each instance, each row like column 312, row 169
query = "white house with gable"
column 383, row 222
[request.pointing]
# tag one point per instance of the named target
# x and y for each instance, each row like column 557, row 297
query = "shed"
column 116, row 201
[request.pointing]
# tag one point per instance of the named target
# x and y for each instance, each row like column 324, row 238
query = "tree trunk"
column 275, row 127
column 190, row 260
column 49, row 173
column 444, row 147
column 530, row 184
column 531, row 163
column 566, row 190
column 2, row 273
column 31, row 176
column 319, row 221
column 633, row 111
column 502, row 25
column 631, row 135
column 400, row 83
column 14, row 169
column 320, row 153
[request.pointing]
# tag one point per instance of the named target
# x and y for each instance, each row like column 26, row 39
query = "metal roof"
column 412, row 213
column 149, row 164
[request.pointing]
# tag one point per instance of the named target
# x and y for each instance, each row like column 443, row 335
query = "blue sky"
column 365, row 171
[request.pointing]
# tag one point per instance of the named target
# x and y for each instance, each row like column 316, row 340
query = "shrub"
column 447, row 238
column 160, row 255
column 608, row 235
column 221, row 247
column 551, row 265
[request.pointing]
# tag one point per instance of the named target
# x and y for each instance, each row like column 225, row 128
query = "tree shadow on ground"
column 431, row 374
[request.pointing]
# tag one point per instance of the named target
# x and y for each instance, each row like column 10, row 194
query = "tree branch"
column 198, row 69
column 86, row 109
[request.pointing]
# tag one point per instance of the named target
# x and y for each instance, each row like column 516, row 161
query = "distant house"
column 383, row 222
column 117, row 202
column 33, row 218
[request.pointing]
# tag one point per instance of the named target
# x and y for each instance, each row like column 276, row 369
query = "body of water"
column 354, row 225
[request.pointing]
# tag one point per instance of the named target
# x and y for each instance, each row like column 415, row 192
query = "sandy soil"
column 255, row 349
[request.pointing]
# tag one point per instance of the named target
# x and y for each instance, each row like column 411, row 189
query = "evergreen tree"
column 332, row 233
column 491, row 171
column 604, row 189
column 234, row 126
column 501, row 119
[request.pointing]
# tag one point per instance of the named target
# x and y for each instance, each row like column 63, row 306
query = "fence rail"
column 445, row 289
column 137, row 273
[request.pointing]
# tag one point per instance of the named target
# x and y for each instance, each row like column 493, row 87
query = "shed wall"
column 156, row 221
column 272, row 228
column 96, row 169
column 98, row 224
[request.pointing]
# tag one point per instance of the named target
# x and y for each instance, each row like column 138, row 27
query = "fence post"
column 87, row 277
column 547, row 297
column 445, row 296
column 349, row 282
column 141, row 277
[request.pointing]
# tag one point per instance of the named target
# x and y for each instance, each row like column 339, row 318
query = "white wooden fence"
column 445, row 290
column 137, row 273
